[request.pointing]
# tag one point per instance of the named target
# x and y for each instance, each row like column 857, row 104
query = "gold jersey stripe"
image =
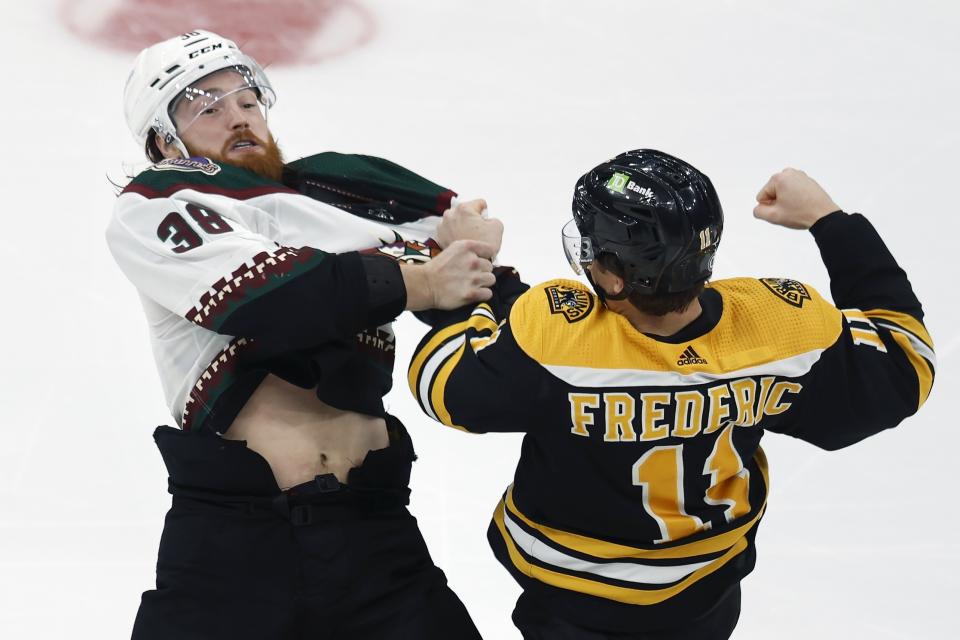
column 600, row 589
column 856, row 315
column 904, row 320
column 477, row 320
column 611, row 550
column 439, row 386
column 479, row 344
column 603, row 339
column 924, row 374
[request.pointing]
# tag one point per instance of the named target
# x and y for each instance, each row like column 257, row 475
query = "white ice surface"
column 512, row 101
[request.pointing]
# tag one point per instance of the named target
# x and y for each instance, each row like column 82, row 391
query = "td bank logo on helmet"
column 621, row 183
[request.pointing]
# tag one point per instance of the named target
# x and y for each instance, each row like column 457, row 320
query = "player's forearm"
column 505, row 291
column 419, row 295
column 339, row 297
column 863, row 272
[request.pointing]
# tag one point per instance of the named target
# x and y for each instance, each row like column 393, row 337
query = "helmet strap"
column 182, row 147
column 178, row 143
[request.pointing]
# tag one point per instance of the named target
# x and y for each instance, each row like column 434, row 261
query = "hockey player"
column 641, row 480
column 269, row 290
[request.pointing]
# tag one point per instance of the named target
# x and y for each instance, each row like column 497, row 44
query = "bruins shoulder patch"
column 790, row 291
column 574, row 304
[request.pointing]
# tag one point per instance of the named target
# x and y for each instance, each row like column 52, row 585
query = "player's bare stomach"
column 302, row 437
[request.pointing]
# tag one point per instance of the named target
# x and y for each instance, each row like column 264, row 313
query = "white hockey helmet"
column 164, row 71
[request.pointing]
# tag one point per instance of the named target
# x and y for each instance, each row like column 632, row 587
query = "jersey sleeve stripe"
column 856, row 315
column 479, row 344
column 431, row 361
column 440, row 384
column 485, row 311
column 424, row 354
column 923, row 366
column 904, row 321
column 916, row 341
column 258, row 276
column 436, row 341
column 423, row 390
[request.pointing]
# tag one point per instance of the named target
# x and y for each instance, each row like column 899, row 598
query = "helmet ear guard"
column 579, row 250
column 659, row 216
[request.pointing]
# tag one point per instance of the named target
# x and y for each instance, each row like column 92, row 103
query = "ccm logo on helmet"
column 194, row 54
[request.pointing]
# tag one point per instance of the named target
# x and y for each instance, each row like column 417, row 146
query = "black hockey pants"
column 537, row 623
column 240, row 559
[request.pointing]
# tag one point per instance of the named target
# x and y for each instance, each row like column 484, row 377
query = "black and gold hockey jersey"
column 641, row 479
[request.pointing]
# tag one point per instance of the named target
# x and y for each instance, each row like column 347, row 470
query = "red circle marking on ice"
column 271, row 31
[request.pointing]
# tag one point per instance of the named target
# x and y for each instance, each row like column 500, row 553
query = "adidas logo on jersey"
column 690, row 356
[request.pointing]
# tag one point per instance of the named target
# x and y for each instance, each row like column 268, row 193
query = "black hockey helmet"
column 657, row 214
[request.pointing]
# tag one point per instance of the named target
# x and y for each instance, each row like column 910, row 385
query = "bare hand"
column 794, row 200
column 462, row 274
column 466, row 222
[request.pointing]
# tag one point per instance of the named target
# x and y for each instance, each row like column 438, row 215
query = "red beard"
column 269, row 164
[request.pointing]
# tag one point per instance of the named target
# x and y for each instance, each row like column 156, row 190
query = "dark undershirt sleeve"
column 339, row 296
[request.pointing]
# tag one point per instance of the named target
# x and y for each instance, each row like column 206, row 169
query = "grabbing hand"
column 467, row 222
column 462, row 274
column 794, row 200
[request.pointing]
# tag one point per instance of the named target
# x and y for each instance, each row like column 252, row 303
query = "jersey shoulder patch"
column 188, row 165
column 561, row 324
column 788, row 316
column 573, row 303
column 169, row 176
column 792, row 292
column 554, row 315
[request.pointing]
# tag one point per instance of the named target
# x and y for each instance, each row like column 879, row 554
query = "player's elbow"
column 841, row 436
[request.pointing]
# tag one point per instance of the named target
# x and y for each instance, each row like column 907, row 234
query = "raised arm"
column 882, row 367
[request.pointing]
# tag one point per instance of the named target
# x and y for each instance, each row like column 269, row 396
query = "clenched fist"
column 467, row 222
column 794, row 200
column 462, row 274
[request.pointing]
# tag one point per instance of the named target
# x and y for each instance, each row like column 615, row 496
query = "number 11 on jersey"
column 659, row 472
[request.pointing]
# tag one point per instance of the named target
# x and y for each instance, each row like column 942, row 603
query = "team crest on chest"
column 574, row 304
column 200, row 165
column 408, row 251
column 789, row 291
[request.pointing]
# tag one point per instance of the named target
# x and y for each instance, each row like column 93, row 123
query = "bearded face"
column 220, row 117
column 246, row 150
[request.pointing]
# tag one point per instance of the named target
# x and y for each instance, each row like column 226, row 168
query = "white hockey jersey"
column 229, row 264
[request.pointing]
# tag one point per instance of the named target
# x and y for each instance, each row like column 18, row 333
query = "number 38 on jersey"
column 182, row 236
